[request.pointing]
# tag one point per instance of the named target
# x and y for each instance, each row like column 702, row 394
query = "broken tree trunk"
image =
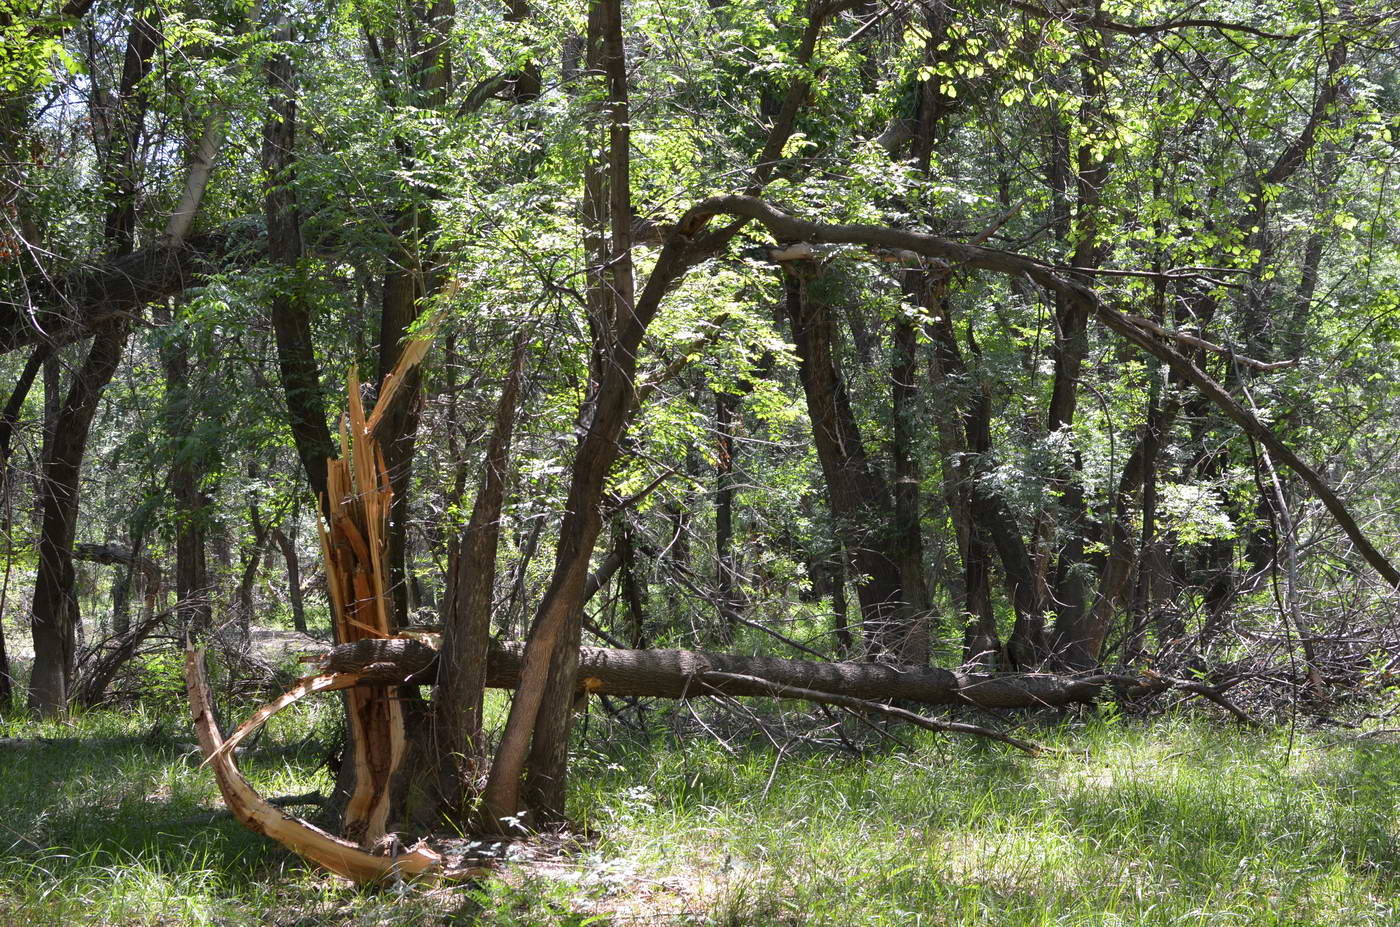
column 357, row 576
column 257, row 814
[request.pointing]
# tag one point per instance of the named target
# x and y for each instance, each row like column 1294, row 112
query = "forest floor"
column 108, row 819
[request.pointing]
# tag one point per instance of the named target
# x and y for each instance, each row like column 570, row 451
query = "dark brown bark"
column 856, row 492
column 907, row 545
column 988, row 523
column 631, row 584
column 676, row 674
column 1070, row 348
column 404, row 288
column 291, row 315
column 287, row 546
column 457, row 700
column 54, row 615
column 193, row 590
column 54, row 619
column 410, row 277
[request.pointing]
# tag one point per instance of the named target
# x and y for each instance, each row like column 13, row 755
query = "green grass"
column 1177, row 821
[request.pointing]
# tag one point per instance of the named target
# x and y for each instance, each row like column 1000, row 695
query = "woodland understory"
column 942, row 368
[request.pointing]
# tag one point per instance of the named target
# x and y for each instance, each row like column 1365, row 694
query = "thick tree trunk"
column 404, row 288
column 631, row 584
column 291, row 316
column 193, row 592
column 989, row 522
column 54, row 616
column 54, row 619
column 907, row 529
column 676, row 674
column 856, row 492
column 1079, row 233
column 411, row 276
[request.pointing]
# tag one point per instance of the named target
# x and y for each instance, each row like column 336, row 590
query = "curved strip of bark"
column 307, row 685
column 339, row 856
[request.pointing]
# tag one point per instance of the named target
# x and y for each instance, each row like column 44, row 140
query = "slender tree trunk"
column 461, row 683
column 726, row 582
column 540, row 714
column 289, row 555
column 9, row 417
column 252, row 559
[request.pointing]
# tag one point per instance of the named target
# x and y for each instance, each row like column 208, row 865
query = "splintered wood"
column 335, row 854
column 357, row 574
column 353, row 542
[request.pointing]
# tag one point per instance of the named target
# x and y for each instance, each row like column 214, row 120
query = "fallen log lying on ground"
column 682, row 673
column 686, row 673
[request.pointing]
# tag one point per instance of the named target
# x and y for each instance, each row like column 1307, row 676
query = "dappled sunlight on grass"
column 1173, row 822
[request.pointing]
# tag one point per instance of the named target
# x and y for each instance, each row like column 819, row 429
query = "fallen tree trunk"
column 685, row 673
column 680, row 673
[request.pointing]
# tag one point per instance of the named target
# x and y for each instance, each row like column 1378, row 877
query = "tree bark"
column 289, row 555
column 291, row 316
column 989, row 522
column 54, row 615
column 193, row 592
column 457, row 699
column 1072, row 634
column 676, row 674
column 907, row 530
column 726, row 580
column 856, row 492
